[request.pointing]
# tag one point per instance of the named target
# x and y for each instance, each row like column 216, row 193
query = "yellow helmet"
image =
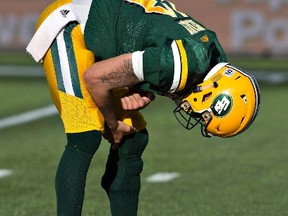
column 225, row 103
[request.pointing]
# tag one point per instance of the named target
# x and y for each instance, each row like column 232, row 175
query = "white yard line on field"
column 27, row 116
column 5, row 173
column 163, row 177
column 24, row 118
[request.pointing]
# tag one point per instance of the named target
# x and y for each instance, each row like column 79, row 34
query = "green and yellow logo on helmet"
column 222, row 105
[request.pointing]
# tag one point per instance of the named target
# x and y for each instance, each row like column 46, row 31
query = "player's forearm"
column 105, row 76
column 103, row 98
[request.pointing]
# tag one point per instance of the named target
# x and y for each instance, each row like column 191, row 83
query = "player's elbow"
column 90, row 79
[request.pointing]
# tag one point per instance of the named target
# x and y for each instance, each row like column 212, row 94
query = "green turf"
column 260, row 64
column 22, row 94
column 246, row 175
column 16, row 58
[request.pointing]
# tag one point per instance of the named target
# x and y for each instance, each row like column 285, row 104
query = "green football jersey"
column 176, row 51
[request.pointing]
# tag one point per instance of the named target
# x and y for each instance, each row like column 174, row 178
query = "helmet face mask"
column 190, row 119
column 224, row 104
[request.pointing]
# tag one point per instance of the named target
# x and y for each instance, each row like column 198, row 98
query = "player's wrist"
column 113, row 125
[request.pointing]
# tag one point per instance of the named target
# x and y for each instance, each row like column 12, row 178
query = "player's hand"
column 115, row 135
column 136, row 100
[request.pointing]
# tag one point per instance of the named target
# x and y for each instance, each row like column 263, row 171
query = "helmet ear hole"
column 206, row 96
column 242, row 120
column 244, row 98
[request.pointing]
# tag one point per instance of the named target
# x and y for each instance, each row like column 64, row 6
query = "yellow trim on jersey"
column 149, row 6
column 77, row 114
column 184, row 65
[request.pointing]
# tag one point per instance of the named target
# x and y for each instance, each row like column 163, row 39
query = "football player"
column 104, row 60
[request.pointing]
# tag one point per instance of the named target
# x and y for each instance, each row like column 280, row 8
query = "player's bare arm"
column 104, row 76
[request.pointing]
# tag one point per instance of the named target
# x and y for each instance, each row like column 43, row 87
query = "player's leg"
column 121, row 179
column 72, row 171
column 64, row 66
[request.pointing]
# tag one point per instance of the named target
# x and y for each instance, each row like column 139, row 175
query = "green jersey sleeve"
column 174, row 66
column 155, row 67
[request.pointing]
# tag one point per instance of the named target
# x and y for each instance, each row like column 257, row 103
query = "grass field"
column 241, row 176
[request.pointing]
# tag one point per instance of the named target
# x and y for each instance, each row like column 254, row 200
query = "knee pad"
column 133, row 145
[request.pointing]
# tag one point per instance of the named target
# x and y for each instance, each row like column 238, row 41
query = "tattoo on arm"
column 123, row 78
column 128, row 66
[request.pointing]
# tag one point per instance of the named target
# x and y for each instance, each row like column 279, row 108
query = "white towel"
column 49, row 29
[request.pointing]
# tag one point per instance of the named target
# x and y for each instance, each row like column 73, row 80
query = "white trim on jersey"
column 137, row 64
column 64, row 64
column 177, row 67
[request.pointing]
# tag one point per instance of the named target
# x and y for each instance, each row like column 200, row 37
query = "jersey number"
column 158, row 6
column 166, row 7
